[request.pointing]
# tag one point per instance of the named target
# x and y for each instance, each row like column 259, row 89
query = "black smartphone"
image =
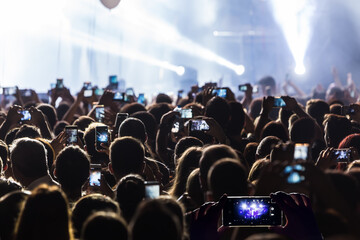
column 186, row 113
column 120, row 117
column 88, row 89
column 198, row 125
column 9, row 91
column 113, row 80
column 152, row 189
column 26, row 115
column 141, row 99
column 243, row 87
column 119, row 96
column 301, row 152
column 251, row 211
column 72, row 134
column 59, row 83
column 99, row 113
column 95, row 175
column 294, row 173
column 180, row 94
column 342, row 155
column 101, row 136
column 279, row 102
column 220, row 92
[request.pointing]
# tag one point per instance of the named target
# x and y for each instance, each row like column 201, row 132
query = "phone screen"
column 279, row 102
column 102, row 136
column 141, row 98
column 199, row 125
column 220, row 92
column 59, row 83
column 186, row 113
column 251, row 211
column 71, row 132
column 9, row 91
column 113, row 79
column 294, row 173
column 119, row 96
column 99, row 92
column 95, row 176
column 88, row 90
column 152, row 190
column 242, row 88
column 301, row 151
column 99, row 114
column 26, row 115
column 342, row 155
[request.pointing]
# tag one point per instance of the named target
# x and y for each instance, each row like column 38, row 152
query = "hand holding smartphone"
column 99, row 113
column 72, row 134
column 152, row 189
column 101, row 137
column 95, row 175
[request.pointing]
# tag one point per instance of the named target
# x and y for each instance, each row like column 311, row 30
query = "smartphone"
column 347, row 110
column 198, row 125
column 220, row 92
column 25, row 93
column 251, row 212
column 95, row 175
column 152, row 189
column 342, row 155
column 9, row 91
column 279, row 102
column 88, row 89
column 119, row 96
column 301, row 152
column 130, row 92
column 176, row 127
column 243, row 87
column 72, row 134
column 141, row 99
column 294, row 173
column 255, row 89
column 180, row 94
column 26, row 115
column 120, row 117
column 113, row 80
column 99, row 113
column 99, row 91
column 59, row 83
column 186, row 113
column 101, row 136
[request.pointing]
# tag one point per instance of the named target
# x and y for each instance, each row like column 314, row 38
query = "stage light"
column 239, row 70
column 300, row 69
column 180, row 71
column 295, row 18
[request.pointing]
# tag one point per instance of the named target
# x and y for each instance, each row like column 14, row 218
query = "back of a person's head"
column 193, row 187
column 129, row 193
column 284, row 116
column 227, row 176
column 133, row 108
column 175, row 207
column 256, row 169
column 10, row 135
column 210, row 155
column 267, row 81
column 303, row 130
column 8, row 186
column 153, row 220
column 45, row 215
column 317, row 109
column 237, row 118
column 133, row 127
column 89, row 204
column 29, row 157
column 50, row 113
column 218, row 109
column 28, row 131
column 72, row 167
column 183, row 144
column 10, row 206
column 105, row 225
column 163, row 98
column 126, row 156
column 266, row 145
column 250, row 153
column 336, row 128
column 187, row 163
column 83, row 122
column 59, row 127
column 276, row 129
column 255, row 108
column 335, row 108
column 4, row 153
column 159, row 109
column 50, row 153
column 149, row 121
column 352, row 140
column 62, row 109
column 89, row 140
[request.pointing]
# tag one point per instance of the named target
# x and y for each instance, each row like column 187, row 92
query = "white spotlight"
column 180, row 71
column 240, row 69
column 300, row 69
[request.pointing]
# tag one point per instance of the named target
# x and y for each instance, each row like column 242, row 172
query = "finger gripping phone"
column 251, row 211
column 101, row 136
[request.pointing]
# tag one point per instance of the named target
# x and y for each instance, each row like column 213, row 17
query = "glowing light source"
column 180, row 71
column 239, row 70
column 294, row 18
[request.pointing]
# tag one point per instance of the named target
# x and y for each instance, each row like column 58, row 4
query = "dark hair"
column 10, row 135
column 256, row 169
column 276, row 129
column 129, row 193
column 49, row 112
column 267, row 81
column 72, row 167
column 28, row 131
column 8, row 186
column 59, row 127
column 284, row 116
column 250, row 153
column 303, row 130
column 104, row 225
column 183, row 144
column 62, row 109
column 133, row 127
column 218, row 109
column 336, row 109
column 149, row 121
column 255, row 108
column 163, row 98
column 237, row 118
column 227, row 176
column 126, row 156
column 83, row 122
column 89, row 204
column 352, row 140
column 317, row 109
column 4, row 153
column 133, row 108
column 193, row 187
column 159, row 109
column 336, row 129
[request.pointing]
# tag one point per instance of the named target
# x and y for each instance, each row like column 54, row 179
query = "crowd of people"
column 167, row 167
